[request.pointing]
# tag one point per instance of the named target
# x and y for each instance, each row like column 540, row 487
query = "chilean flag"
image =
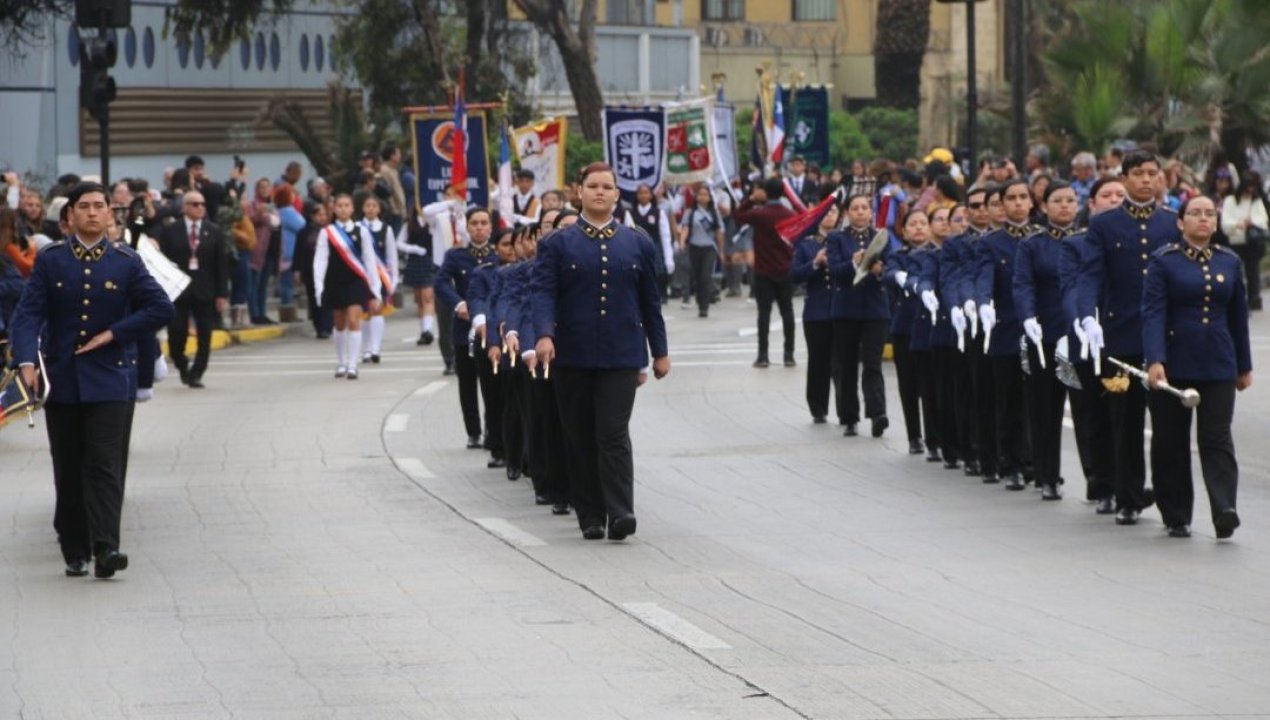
column 796, row 226
column 458, row 166
column 505, row 207
column 776, row 131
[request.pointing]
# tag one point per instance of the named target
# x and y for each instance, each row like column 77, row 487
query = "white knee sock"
column 429, row 322
column 340, row 358
column 376, row 340
column 354, row 348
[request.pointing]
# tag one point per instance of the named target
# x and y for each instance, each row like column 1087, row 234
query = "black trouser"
column 954, row 435
column 204, row 314
column 1128, row 413
column 910, row 386
column 595, row 414
column 547, row 454
column 819, row 337
column 516, row 419
column 445, row 334
column 465, row 368
column 858, row 343
column 88, row 442
column 1092, row 417
column 1045, row 416
column 780, row 291
column 1012, row 424
column 1251, row 253
column 702, row 259
column 927, row 379
column 491, row 398
column 977, row 404
column 321, row 317
column 1171, row 450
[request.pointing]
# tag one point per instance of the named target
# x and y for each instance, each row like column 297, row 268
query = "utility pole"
column 972, row 94
column 96, row 56
column 1018, row 83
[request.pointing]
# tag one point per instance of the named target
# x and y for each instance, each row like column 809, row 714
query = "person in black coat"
column 199, row 248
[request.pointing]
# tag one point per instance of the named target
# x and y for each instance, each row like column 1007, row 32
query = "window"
column 200, row 52
column 627, row 12
column 183, row 52
column 815, row 9
column 130, row 47
column 319, row 52
column 722, row 9
column 260, row 51
column 147, row 47
column 72, row 45
column 304, row 53
column 275, row 52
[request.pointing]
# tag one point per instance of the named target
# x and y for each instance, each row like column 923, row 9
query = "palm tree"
column 902, row 33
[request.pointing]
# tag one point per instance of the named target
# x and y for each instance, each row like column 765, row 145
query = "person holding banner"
column 597, row 314
column 384, row 241
column 810, row 268
column 762, row 211
column 344, row 265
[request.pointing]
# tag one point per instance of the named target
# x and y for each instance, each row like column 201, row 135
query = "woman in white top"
column 1245, row 223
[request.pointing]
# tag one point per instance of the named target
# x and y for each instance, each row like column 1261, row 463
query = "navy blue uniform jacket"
column 452, row 283
column 818, row 304
column 866, row 301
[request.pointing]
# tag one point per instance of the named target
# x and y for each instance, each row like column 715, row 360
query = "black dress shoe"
column 195, row 384
column 621, row 527
column 560, row 508
column 703, row 313
column 593, row 532
column 185, row 377
column 513, row 473
column 932, row 455
column 952, row 464
column 1105, row 506
column 425, row 338
column 1014, row 481
column 496, row 462
column 850, row 431
column 542, row 500
column 1050, row 491
column 761, row 362
column 77, row 568
column 818, row 420
column 789, row 360
column 449, row 369
column 374, row 358
column 1148, row 498
column 879, row 426
column 1127, row 516
column 473, row 442
column 1179, row 531
column 1225, row 523
column 323, row 335
column 972, row 468
column 915, row 447
column 109, row 563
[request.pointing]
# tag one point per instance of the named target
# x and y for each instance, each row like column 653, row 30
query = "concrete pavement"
column 311, row 548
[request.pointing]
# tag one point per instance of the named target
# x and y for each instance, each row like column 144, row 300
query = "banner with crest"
column 634, row 146
column 540, row 148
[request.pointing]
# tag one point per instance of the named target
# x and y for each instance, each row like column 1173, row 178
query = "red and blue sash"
column 338, row 238
column 385, row 277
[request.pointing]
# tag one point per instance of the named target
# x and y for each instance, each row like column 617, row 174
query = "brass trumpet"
column 1189, row 397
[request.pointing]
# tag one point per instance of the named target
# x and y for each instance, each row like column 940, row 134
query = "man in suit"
column 86, row 306
column 197, row 247
column 807, row 190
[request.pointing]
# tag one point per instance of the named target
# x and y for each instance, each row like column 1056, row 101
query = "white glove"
column 1083, row 338
column 930, row 301
column 670, row 264
column 958, row 320
column 987, row 318
column 972, row 310
column 1093, row 334
column 145, row 394
column 901, row 277
column 1032, row 328
column 160, row 369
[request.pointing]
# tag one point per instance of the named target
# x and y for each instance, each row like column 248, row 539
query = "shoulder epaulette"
column 54, row 244
column 1166, row 208
column 1223, row 249
column 1169, row 248
column 125, row 249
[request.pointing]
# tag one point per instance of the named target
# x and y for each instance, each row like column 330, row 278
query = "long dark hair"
column 716, row 220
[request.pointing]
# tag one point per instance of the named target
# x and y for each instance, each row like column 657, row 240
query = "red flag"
column 458, row 165
column 796, row 226
column 792, row 196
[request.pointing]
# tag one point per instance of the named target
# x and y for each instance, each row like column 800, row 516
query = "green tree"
column 580, row 153
column 891, row 132
column 575, row 41
column 333, row 157
column 847, row 140
column 901, row 32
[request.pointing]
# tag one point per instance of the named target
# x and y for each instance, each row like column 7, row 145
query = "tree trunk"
column 903, row 28
column 476, row 21
column 577, row 54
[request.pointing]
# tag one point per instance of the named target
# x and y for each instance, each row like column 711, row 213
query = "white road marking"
column 509, row 532
column 430, row 388
column 396, row 423
column 364, row 373
column 415, row 468
column 675, row 626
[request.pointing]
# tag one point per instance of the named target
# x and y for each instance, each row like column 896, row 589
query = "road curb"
column 222, row 339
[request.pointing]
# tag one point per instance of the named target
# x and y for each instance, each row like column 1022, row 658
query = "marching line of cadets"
column 996, row 322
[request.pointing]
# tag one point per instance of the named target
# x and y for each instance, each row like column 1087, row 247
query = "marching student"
column 384, row 241
column 483, row 337
column 810, row 268
column 344, row 265
column 904, row 272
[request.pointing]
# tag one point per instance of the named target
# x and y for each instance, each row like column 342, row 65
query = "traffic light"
column 96, row 86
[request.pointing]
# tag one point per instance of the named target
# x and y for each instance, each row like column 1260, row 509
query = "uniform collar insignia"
column 1198, row 254
column 1018, row 231
column 479, row 251
column 859, row 233
column 1058, row 233
column 593, row 232
column 92, row 254
column 1139, row 211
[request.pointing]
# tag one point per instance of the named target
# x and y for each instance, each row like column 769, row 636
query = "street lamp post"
column 972, row 95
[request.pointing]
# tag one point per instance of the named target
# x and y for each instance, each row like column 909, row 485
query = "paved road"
column 304, row 547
